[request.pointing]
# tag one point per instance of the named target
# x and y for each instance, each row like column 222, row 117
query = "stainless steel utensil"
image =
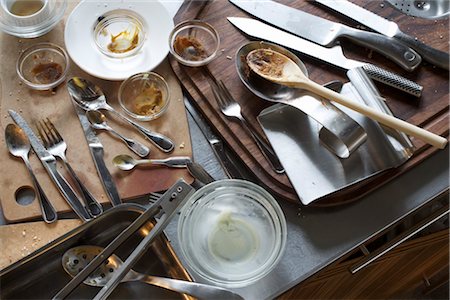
column 127, row 163
column 56, row 145
column 333, row 56
column 427, row 9
column 90, row 97
column 19, row 145
column 231, row 108
column 49, row 163
column 326, row 33
column 77, row 258
column 199, row 173
column 98, row 121
column 391, row 29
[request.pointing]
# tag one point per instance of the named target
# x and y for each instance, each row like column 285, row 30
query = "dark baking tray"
column 40, row 275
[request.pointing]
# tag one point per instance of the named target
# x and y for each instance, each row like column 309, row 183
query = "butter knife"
column 49, row 163
column 96, row 149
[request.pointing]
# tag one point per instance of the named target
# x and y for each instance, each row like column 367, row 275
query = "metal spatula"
column 431, row 9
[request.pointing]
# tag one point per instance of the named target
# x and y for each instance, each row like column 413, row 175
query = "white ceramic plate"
column 80, row 45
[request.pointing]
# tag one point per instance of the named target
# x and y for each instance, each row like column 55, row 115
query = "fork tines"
column 48, row 132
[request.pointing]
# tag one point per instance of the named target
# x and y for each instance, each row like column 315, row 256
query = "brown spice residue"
column 189, row 48
column 47, row 72
column 124, row 41
column 149, row 101
column 268, row 62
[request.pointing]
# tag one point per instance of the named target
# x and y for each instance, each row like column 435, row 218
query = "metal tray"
column 40, row 275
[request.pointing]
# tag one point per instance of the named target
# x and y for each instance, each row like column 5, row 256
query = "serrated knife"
column 326, row 33
column 388, row 28
column 334, row 55
column 49, row 163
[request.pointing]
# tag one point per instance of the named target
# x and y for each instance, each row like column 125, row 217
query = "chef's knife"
column 388, row 28
column 334, row 55
column 96, row 149
column 49, row 163
column 325, row 32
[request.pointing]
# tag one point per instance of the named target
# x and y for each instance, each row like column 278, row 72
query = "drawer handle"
column 400, row 239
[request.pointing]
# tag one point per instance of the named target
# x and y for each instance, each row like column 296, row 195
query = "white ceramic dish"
column 83, row 51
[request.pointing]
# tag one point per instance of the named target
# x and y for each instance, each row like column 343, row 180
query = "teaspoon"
column 76, row 259
column 280, row 69
column 127, row 163
column 19, row 146
column 98, row 121
column 90, row 97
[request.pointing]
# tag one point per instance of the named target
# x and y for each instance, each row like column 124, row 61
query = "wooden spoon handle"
column 390, row 121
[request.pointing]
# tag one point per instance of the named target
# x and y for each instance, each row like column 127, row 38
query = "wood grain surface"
column 34, row 106
column 429, row 112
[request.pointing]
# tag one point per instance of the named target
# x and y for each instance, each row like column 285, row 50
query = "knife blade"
column 326, row 33
column 334, row 55
column 96, row 149
column 216, row 144
column 49, row 163
column 388, row 28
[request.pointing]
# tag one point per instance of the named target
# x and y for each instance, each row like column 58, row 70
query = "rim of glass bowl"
column 137, row 76
column 40, row 29
column 39, row 47
column 277, row 215
column 112, row 16
column 198, row 24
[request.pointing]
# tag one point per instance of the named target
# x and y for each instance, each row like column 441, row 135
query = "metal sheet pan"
column 41, row 275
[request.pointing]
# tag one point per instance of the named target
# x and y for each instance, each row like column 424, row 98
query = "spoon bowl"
column 76, row 259
column 124, row 162
column 127, row 163
column 281, row 69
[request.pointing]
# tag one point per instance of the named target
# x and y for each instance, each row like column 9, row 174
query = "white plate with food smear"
column 146, row 42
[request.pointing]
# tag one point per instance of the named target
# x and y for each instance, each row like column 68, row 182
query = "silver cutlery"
column 326, row 33
column 127, row 163
column 77, row 258
column 230, row 108
column 391, row 29
column 57, row 147
column 90, row 97
column 19, row 146
column 49, row 163
column 199, row 173
column 333, row 56
column 98, row 121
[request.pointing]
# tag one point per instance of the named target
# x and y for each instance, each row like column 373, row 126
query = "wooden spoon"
column 280, row 69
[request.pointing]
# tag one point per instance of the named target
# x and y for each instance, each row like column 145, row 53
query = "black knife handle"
column 394, row 80
column 392, row 48
column 431, row 55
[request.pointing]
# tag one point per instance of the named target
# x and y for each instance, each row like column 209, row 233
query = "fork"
column 230, row 108
column 56, row 145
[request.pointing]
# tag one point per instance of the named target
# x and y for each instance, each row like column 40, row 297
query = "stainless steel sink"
column 430, row 9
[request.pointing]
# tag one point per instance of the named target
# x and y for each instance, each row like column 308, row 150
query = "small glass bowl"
column 43, row 66
column 119, row 33
column 194, row 43
column 232, row 232
column 144, row 96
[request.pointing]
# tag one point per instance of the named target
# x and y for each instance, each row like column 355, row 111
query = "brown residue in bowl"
column 150, row 101
column 267, row 62
column 124, row 41
column 47, row 72
column 189, row 48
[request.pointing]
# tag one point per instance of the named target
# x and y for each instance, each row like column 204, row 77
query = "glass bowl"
column 43, row 66
column 119, row 33
column 144, row 96
column 194, row 43
column 232, row 232
column 30, row 19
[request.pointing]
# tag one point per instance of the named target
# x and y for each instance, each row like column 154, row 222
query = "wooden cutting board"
column 429, row 112
column 34, row 106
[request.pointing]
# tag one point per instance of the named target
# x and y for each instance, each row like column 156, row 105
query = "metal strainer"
column 431, row 9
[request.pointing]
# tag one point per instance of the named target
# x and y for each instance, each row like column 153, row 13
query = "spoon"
column 98, row 121
column 127, row 163
column 76, row 259
column 19, row 146
column 90, row 97
column 280, row 69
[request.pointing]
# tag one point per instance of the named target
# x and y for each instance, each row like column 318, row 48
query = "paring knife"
column 388, row 28
column 49, row 163
column 326, row 33
column 334, row 55
column 96, row 149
